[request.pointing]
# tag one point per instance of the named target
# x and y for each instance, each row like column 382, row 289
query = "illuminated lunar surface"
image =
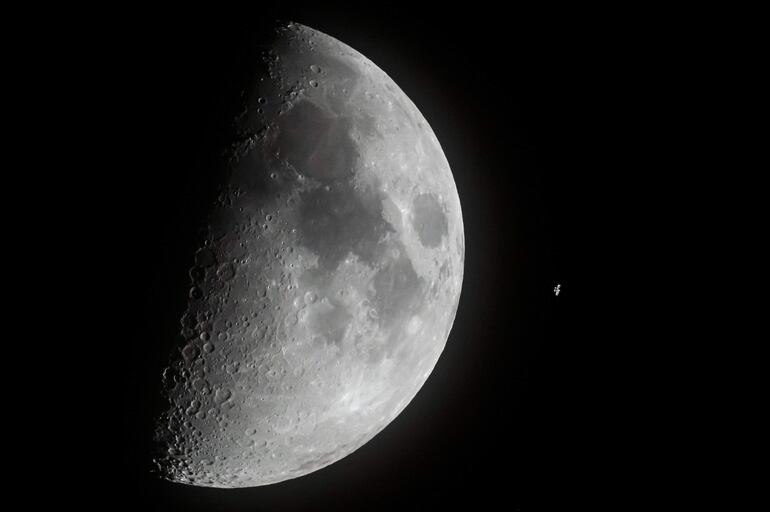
column 327, row 281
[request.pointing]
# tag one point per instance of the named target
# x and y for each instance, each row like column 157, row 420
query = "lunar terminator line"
column 328, row 279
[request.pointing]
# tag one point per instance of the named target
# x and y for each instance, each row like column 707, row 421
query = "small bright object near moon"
column 327, row 281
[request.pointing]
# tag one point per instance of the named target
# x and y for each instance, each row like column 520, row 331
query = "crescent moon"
column 327, row 279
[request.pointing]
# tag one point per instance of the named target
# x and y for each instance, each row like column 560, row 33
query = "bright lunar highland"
column 327, row 278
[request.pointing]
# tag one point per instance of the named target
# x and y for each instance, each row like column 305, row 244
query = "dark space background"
column 520, row 412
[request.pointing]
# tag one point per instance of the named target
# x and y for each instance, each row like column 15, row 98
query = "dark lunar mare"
column 337, row 220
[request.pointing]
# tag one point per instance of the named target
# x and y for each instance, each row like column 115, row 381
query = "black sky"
column 517, row 414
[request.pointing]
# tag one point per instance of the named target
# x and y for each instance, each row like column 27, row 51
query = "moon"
column 327, row 278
